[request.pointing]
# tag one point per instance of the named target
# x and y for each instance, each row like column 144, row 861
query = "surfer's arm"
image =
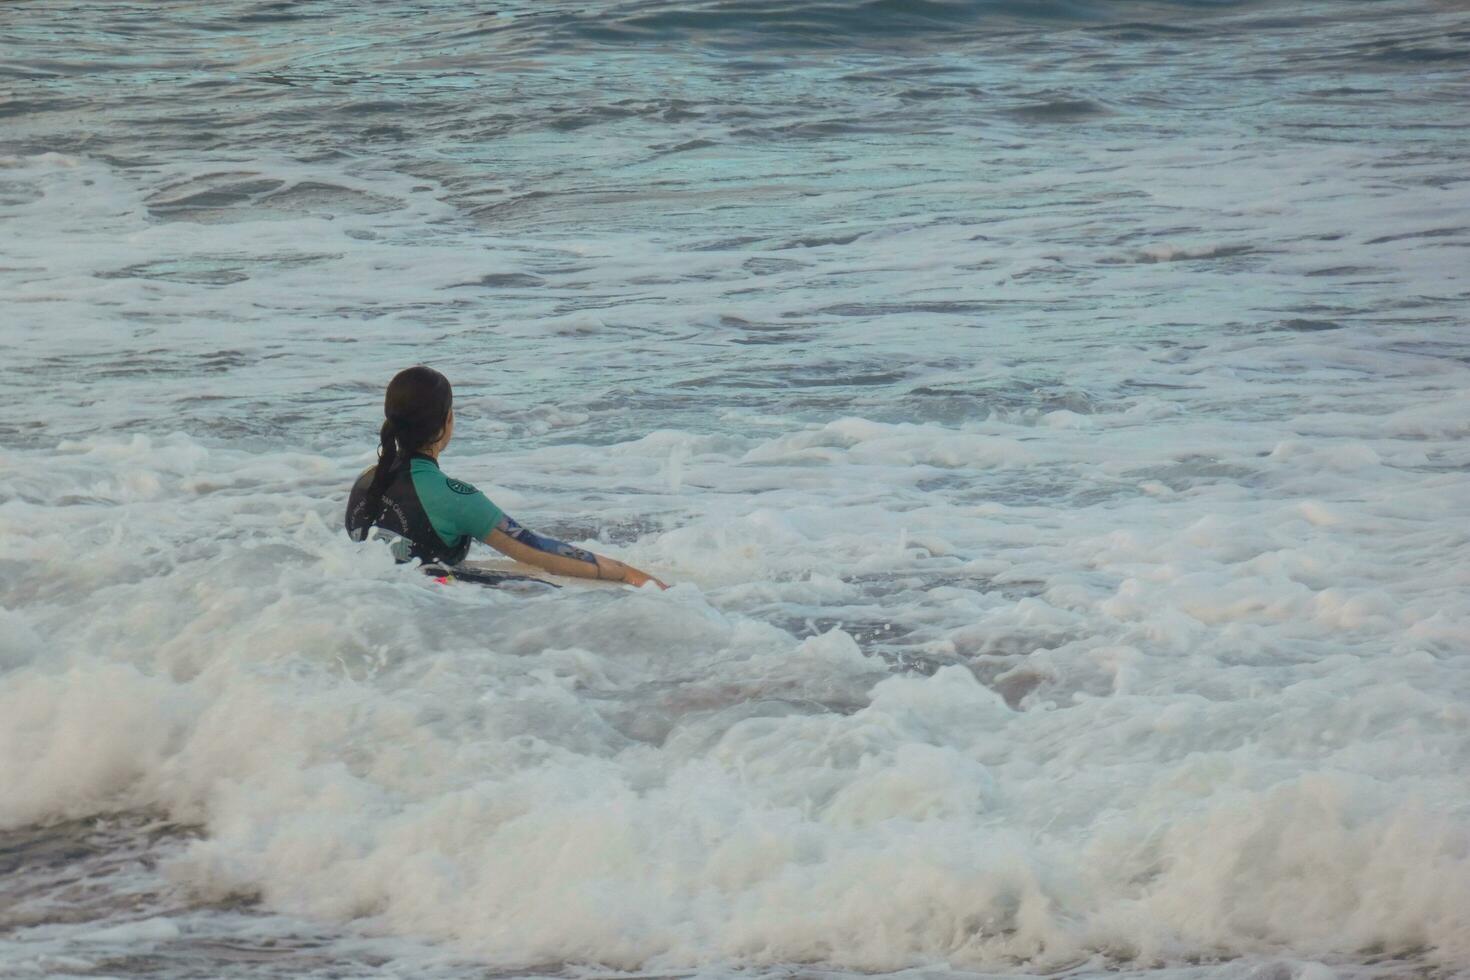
column 559, row 558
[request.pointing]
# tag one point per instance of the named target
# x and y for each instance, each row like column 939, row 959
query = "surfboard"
column 508, row 574
column 492, row 574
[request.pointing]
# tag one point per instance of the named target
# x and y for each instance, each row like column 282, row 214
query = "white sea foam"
column 1237, row 716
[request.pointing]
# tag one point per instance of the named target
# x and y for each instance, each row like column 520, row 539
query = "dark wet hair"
column 415, row 412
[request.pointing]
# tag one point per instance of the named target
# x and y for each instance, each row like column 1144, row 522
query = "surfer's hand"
column 612, row 570
column 637, row 579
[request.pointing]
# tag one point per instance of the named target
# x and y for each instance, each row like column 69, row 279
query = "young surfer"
column 435, row 517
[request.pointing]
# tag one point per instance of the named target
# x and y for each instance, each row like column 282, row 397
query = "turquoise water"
column 1052, row 416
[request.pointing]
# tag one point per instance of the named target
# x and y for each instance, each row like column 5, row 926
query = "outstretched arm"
column 524, row 545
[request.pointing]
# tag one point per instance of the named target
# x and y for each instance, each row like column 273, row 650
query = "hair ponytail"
column 387, row 463
column 415, row 411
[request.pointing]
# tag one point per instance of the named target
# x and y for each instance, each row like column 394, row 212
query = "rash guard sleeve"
column 541, row 542
column 454, row 507
column 471, row 512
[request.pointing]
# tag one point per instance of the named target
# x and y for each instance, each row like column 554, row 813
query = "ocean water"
column 1054, row 416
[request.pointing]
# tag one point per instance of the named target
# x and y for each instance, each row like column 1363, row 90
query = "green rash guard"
column 434, row 517
column 455, row 509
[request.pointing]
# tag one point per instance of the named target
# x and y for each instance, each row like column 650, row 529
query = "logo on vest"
column 459, row 487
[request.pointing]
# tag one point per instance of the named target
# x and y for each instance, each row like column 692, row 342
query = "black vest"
column 401, row 515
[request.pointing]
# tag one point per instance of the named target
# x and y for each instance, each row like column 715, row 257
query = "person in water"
column 433, row 516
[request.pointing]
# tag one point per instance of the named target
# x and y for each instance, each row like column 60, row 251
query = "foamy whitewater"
column 1055, row 417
